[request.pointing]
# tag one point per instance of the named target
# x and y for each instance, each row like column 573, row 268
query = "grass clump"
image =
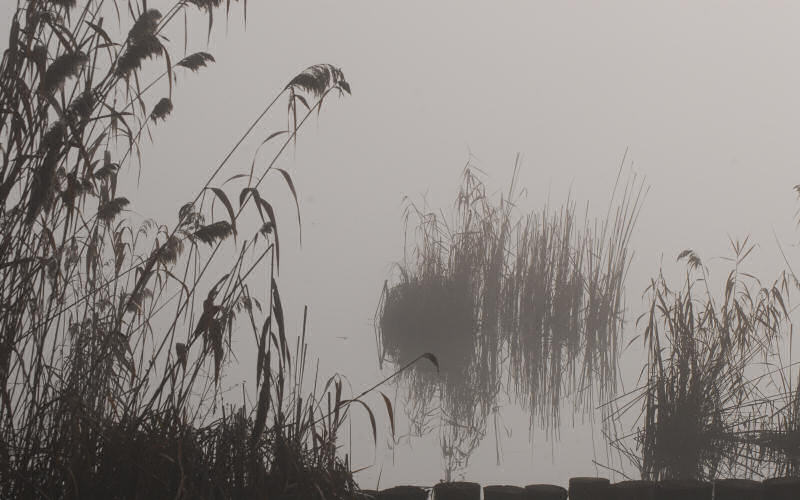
column 115, row 334
column 527, row 305
column 704, row 408
column 417, row 309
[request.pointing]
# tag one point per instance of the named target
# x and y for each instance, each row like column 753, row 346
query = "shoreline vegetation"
column 530, row 308
column 115, row 335
column 525, row 305
column 716, row 396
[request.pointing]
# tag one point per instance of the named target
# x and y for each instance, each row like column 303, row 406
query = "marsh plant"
column 529, row 305
column 115, row 334
column 708, row 407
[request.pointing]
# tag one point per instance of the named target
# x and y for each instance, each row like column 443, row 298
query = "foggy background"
column 703, row 95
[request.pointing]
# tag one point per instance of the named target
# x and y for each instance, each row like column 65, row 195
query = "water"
column 703, row 97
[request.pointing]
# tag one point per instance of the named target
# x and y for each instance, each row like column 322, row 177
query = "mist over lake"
column 565, row 234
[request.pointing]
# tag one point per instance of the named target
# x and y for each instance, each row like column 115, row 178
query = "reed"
column 528, row 305
column 704, row 406
column 114, row 334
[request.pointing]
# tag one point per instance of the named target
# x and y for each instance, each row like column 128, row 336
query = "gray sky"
column 704, row 95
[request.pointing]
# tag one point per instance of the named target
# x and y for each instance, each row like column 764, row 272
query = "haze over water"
column 703, row 95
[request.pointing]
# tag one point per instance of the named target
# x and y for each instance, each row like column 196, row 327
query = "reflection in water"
column 527, row 305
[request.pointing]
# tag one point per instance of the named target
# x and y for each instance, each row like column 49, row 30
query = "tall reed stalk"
column 114, row 335
column 707, row 409
column 530, row 305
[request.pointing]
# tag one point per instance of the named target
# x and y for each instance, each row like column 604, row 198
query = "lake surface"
column 704, row 98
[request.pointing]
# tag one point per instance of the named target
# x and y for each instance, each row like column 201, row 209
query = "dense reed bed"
column 441, row 297
column 715, row 400
column 115, row 334
column 524, row 305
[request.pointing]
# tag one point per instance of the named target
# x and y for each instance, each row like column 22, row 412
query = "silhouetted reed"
column 440, row 301
column 705, row 411
column 534, row 300
column 114, row 336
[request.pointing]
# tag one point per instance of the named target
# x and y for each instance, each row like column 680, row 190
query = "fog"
column 700, row 98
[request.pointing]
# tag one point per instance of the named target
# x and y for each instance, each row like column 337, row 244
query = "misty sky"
column 704, row 95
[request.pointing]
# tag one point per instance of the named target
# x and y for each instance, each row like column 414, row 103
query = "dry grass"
column 705, row 410
column 530, row 305
column 114, row 336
